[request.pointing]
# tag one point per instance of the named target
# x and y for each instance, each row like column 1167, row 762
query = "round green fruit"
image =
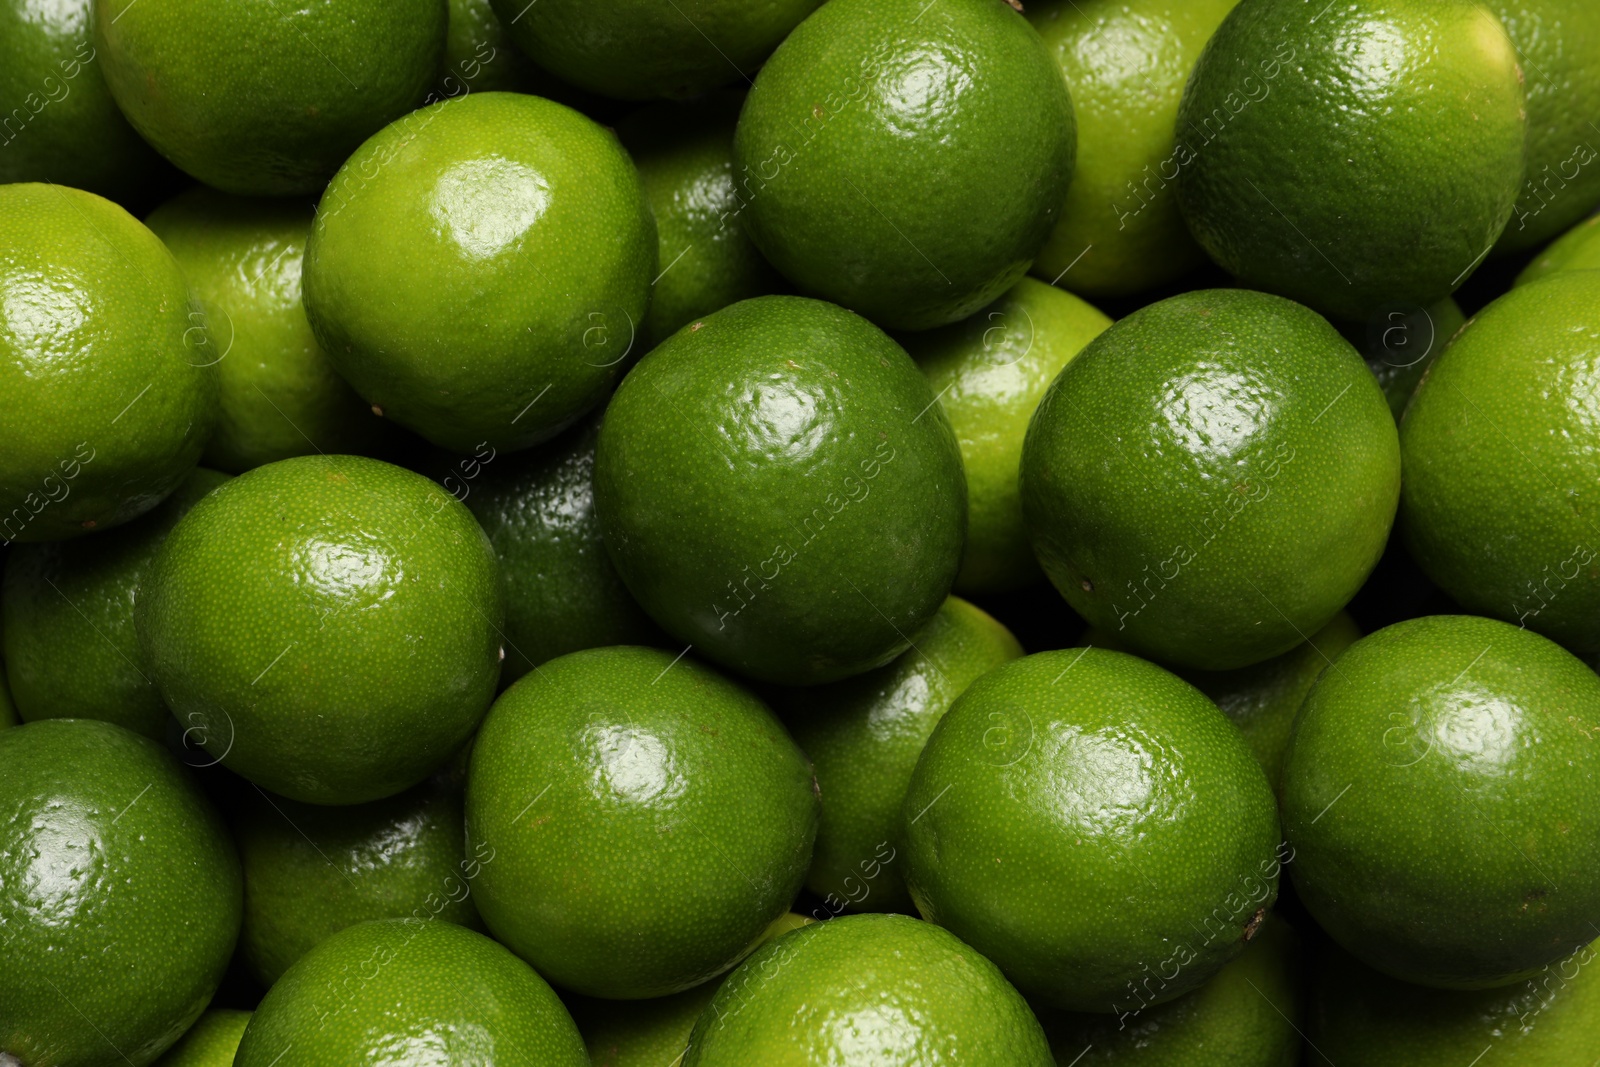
column 211, row 1042
column 1439, row 796
column 640, row 819
column 479, row 56
column 1212, row 478
column 477, row 269
column 1400, row 343
column 106, row 398
column 327, row 626
column 1577, row 249
column 906, row 159
column 1095, row 826
column 119, row 896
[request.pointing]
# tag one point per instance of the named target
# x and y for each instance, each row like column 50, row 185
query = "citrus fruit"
column 119, row 896
column 261, row 99
column 105, row 398
column 479, row 56
column 211, row 1042
column 1093, row 825
column 1400, row 343
column 327, row 625
column 1352, row 154
column 989, row 373
column 1439, row 796
column 1577, row 249
column 777, row 485
column 905, row 159
column 641, row 819
column 70, row 647
column 1212, row 478
column 1125, row 63
column 477, row 269
column 863, row 736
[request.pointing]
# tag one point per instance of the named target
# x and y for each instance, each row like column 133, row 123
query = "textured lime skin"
column 684, row 153
column 905, row 160
column 119, row 896
column 562, row 593
column 1360, row 1018
column 1248, row 1015
column 278, row 394
column 104, row 395
column 479, row 56
column 1577, row 249
column 867, row 989
column 69, row 641
column 477, row 269
column 646, row 820
column 863, row 736
column 327, row 626
column 62, row 126
column 1212, row 478
column 1353, row 155
column 1464, row 848
column 643, row 50
column 1558, row 43
column 1401, row 343
column 1501, row 446
column 403, row 992
column 1125, row 62
column 989, row 373
column 310, row 871
column 1089, row 821
column 211, row 1042
column 262, row 100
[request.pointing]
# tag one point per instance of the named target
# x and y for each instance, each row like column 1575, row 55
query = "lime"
column 479, row 56
column 211, row 1042
column 1400, row 343
column 1577, row 249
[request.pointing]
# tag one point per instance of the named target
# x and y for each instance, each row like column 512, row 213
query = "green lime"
column 906, row 159
column 211, row 1042
column 1501, row 446
column 640, row 820
column 280, row 396
column 479, row 56
column 777, row 485
column 989, row 373
column 1353, row 154
column 864, row 735
column 119, row 896
column 1439, row 796
column 262, row 99
column 1120, row 230
column 1400, row 343
column 328, row 626
column 105, row 395
column 1095, row 826
column 406, row 992
column 685, row 157
column 70, row 647
column 867, row 989
column 477, row 269
column 1577, row 249
column 1147, row 459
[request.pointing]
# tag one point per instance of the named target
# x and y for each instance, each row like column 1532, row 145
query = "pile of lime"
column 821, row 533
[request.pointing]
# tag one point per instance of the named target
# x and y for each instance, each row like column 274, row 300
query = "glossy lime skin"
column 477, row 269
column 1577, row 249
column 1400, row 343
column 119, row 895
column 1439, row 793
column 1351, row 156
column 479, row 56
column 104, row 393
column 562, row 593
column 279, row 395
column 647, row 819
column 867, row 989
column 327, row 626
column 684, row 153
column 63, row 126
column 1059, row 785
column 1212, row 478
column 989, row 373
column 1501, row 445
column 903, row 160
column 642, row 50
column 402, row 992
column 310, row 871
column 863, row 736
column 211, row 1042
column 69, row 641
column 1247, row 1015
column 1360, row 1018
column 1125, row 63
column 259, row 100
